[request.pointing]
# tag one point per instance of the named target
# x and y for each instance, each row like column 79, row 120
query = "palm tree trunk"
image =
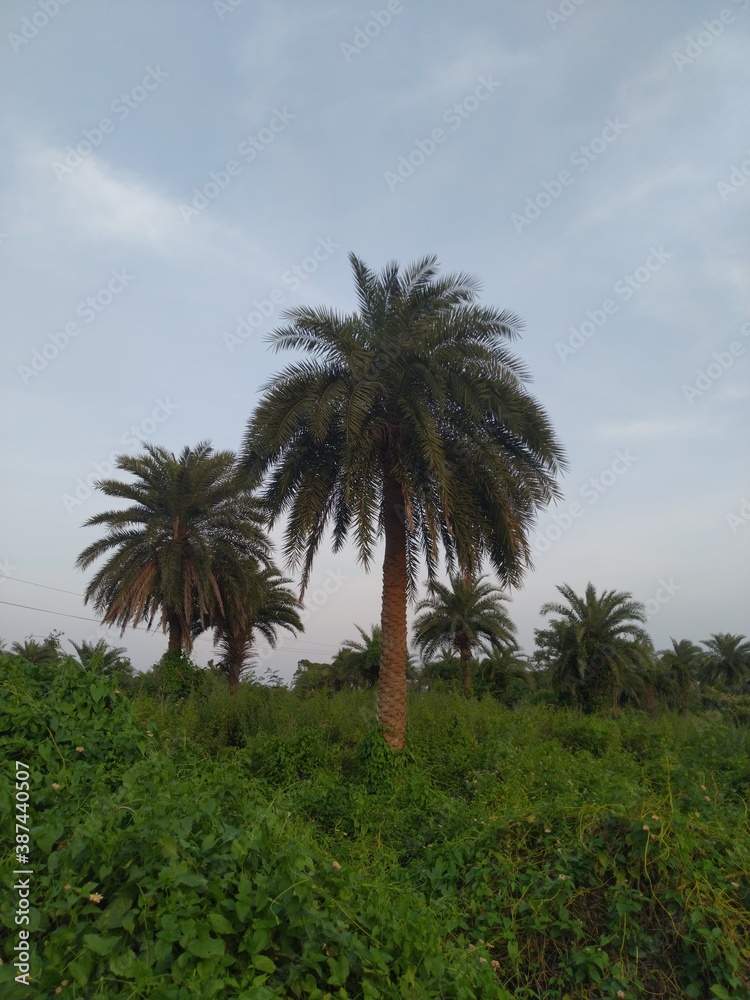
column 392, row 677
column 175, row 634
column 464, row 651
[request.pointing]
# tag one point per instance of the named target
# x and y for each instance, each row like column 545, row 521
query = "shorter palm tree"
column 110, row 660
column 465, row 615
column 727, row 661
column 363, row 658
column 505, row 673
column 596, row 645
column 260, row 602
column 191, row 523
column 682, row 664
column 40, row 653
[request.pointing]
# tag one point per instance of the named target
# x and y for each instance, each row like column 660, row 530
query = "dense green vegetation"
column 192, row 844
column 567, row 826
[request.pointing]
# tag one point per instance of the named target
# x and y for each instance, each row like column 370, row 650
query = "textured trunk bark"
column 175, row 634
column 465, row 653
column 392, row 677
column 234, row 677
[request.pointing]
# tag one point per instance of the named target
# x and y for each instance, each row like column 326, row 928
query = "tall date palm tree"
column 407, row 420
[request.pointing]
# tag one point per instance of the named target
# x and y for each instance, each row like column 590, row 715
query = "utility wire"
column 199, row 638
column 73, row 593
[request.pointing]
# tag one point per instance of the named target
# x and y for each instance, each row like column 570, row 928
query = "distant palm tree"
column 446, row 669
column 192, row 523
column 260, row 603
column 682, row 663
column 407, row 420
column 465, row 615
column 503, row 671
column 596, row 645
column 728, row 659
column 363, row 658
column 40, row 653
column 108, row 659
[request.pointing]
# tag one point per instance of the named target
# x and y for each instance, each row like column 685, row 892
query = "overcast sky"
column 177, row 173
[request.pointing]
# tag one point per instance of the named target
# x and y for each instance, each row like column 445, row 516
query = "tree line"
column 407, row 420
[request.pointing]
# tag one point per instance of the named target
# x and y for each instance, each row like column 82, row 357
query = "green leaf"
column 112, row 916
column 339, row 970
column 124, row 964
column 220, row 924
column 80, row 969
column 264, row 963
column 45, row 838
column 99, row 944
column 205, row 946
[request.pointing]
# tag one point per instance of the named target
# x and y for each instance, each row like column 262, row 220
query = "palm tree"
column 193, row 523
column 596, row 644
column 505, row 674
column 363, row 658
column 682, row 663
column 407, row 420
column 728, row 658
column 465, row 615
column 40, row 653
column 108, row 659
column 261, row 602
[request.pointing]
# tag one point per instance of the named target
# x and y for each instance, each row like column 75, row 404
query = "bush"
column 262, row 846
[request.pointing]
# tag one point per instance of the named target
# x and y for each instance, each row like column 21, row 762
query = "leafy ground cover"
column 265, row 846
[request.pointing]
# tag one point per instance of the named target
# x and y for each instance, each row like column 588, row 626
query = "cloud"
column 91, row 202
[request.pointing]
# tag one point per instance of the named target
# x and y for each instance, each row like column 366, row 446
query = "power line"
column 44, row 611
column 65, row 614
column 15, row 579
column 324, row 646
column 199, row 638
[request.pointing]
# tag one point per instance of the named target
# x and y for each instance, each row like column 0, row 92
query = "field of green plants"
column 268, row 846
